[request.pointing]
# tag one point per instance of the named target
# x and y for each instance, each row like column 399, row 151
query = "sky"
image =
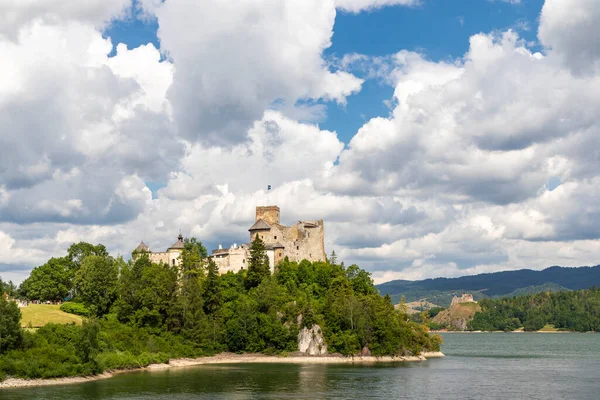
column 434, row 137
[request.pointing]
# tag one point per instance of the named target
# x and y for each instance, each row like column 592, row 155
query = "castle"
column 303, row 240
column 465, row 298
column 169, row 257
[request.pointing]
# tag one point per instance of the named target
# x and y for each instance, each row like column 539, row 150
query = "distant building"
column 303, row 240
column 170, row 257
column 465, row 298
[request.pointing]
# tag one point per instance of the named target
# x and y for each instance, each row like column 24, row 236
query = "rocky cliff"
column 311, row 341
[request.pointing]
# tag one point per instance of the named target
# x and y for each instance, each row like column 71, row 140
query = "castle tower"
column 269, row 214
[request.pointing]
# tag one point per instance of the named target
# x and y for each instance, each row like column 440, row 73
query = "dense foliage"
column 75, row 308
column 574, row 311
column 8, row 287
column 145, row 312
column 10, row 328
column 55, row 280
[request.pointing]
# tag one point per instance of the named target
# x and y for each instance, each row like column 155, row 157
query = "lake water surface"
column 476, row 366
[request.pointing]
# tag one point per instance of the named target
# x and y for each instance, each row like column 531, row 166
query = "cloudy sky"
column 434, row 137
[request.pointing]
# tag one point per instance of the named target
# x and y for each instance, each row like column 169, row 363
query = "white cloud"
column 356, row 6
column 16, row 13
column 88, row 122
column 235, row 58
column 570, row 29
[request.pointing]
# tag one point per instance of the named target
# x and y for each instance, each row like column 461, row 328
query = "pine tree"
column 333, row 258
column 212, row 289
column 258, row 264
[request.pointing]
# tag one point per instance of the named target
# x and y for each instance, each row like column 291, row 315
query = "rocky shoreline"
column 223, row 358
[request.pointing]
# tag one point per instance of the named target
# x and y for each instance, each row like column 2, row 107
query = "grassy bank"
column 38, row 315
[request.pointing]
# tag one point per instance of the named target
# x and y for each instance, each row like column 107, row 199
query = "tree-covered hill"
column 577, row 310
column 498, row 284
column 142, row 312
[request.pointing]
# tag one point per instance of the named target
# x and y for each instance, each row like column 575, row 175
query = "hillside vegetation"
column 573, row 311
column 144, row 313
column 456, row 317
column 494, row 285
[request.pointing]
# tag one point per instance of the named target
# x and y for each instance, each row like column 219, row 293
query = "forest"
column 577, row 310
column 141, row 313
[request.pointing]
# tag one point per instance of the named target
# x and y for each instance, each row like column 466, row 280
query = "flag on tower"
column 268, row 187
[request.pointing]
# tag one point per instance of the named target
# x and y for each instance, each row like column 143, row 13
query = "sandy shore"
column 224, row 358
column 17, row 382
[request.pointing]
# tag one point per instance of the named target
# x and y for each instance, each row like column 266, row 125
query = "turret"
column 269, row 214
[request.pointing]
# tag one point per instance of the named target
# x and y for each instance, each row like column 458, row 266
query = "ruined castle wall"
column 301, row 241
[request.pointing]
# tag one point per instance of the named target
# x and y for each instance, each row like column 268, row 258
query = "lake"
column 476, row 366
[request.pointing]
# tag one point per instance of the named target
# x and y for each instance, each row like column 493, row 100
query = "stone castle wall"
column 269, row 214
column 304, row 240
column 169, row 258
column 465, row 298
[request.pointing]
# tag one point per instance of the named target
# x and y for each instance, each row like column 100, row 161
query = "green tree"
column 212, row 289
column 197, row 246
column 156, row 297
column 10, row 325
column 50, row 281
column 333, row 259
column 96, row 282
column 77, row 252
column 191, row 297
column 258, row 264
column 360, row 279
column 8, row 287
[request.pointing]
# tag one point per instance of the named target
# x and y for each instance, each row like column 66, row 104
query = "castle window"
column 275, row 237
column 173, row 262
column 244, row 261
column 297, row 247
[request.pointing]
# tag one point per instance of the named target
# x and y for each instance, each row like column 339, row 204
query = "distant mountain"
column 497, row 284
column 546, row 287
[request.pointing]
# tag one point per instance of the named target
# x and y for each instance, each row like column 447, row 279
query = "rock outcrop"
column 458, row 316
column 311, row 341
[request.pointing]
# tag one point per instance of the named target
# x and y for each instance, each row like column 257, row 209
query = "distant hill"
column 498, row 284
column 546, row 287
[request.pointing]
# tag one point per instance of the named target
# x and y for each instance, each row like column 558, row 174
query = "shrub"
column 75, row 308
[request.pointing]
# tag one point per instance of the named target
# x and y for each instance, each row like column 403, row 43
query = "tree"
column 360, row 279
column 51, row 281
column 333, row 258
column 97, row 282
column 212, row 289
column 258, row 264
column 191, row 299
column 10, row 325
column 192, row 258
column 77, row 252
column 196, row 245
